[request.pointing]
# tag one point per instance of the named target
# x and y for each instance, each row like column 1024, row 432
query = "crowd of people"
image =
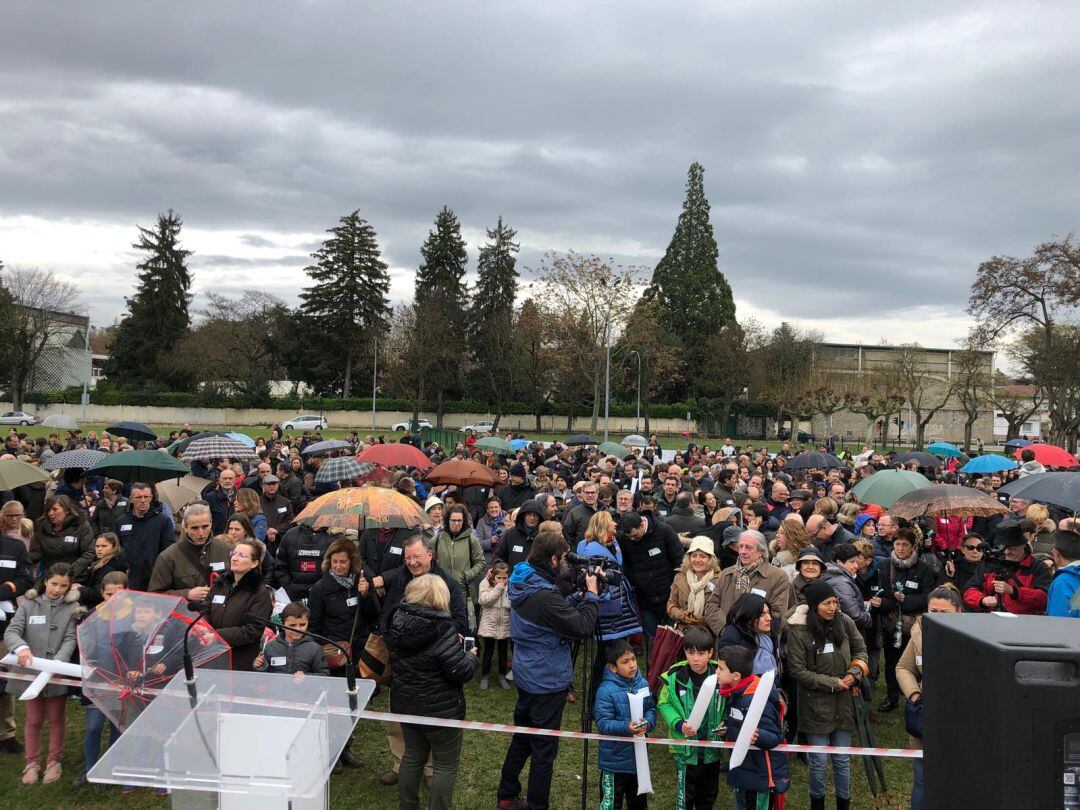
column 757, row 563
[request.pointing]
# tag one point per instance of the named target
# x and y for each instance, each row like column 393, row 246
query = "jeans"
column 841, row 764
column 650, row 619
column 95, row 724
column 917, row 786
column 443, row 745
column 538, row 711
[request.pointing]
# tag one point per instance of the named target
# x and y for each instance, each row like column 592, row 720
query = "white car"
column 305, row 423
column 480, row 427
column 18, row 418
column 401, row 427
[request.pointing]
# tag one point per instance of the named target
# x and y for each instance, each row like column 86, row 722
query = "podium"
column 245, row 740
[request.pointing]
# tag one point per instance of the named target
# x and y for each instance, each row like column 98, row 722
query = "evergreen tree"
column 491, row 316
column 157, row 314
column 687, row 282
column 348, row 304
column 442, row 274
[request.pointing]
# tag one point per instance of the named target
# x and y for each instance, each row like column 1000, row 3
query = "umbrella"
column 989, row 463
column 60, row 420
column 665, row 650
column 73, row 460
column 182, row 491
column 362, row 507
column 946, row 500
column 180, row 445
column 922, row 459
column 613, row 449
column 395, row 454
column 462, row 473
column 212, row 447
column 1059, row 488
column 133, row 644
column 343, row 468
column 133, row 431
column 149, row 466
column 814, row 460
column 18, row 473
column 1051, row 455
column 885, row 487
column 243, row 438
column 633, row 440
column 495, row 445
column 580, row 439
column 518, row 444
column 1017, row 443
column 318, row 448
column 945, row 449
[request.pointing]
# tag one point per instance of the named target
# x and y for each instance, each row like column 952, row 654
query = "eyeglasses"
column 243, row 555
column 975, row 548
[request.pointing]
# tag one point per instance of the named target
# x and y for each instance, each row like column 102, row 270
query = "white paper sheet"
column 641, row 752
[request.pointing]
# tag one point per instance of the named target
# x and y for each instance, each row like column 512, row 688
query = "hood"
column 525, row 581
column 71, row 596
column 415, row 627
column 1031, row 468
column 1069, row 572
column 531, row 505
column 836, row 570
column 798, row 618
column 862, row 520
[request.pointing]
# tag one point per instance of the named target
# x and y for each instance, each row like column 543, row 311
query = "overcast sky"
column 861, row 159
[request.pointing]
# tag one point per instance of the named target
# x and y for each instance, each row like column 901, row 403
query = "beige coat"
column 495, row 613
column 768, row 580
column 909, row 668
column 680, row 595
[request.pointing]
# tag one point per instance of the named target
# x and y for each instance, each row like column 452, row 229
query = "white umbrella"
column 633, row 440
column 60, row 420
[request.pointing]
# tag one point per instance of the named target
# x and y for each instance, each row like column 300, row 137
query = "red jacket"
column 1031, row 581
column 949, row 532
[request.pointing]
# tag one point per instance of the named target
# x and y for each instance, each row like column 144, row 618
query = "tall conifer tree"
column 491, row 316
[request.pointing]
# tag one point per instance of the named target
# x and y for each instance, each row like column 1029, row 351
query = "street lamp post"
column 637, row 417
column 374, row 383
column 607, row 370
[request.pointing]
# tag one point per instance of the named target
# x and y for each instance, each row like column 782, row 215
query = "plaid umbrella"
column 318, row 448
column 212, row 447
column 344, row 468
column 73, row 459
column 362, row 508
column 182, row 491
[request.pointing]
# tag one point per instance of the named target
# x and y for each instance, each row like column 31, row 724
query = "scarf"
column 345, row 582
column 765, row 656
column 743, row 574
column 904, row 565
column 727, row 691
column 695, row 602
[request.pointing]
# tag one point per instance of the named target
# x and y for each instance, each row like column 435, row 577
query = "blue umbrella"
column 945, row 449
column 1017, row 443
column 241, row 437
column 989, row 464
column 518, row 444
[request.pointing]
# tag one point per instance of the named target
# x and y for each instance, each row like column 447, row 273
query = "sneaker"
column 516, row 803
column 53, row 772
column 502, row 683
column 30, row 774
column 510, row 676
column 389, row 778
column 483, row 684
column 888, row 704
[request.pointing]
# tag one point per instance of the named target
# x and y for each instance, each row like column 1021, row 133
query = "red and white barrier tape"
column 503, row 728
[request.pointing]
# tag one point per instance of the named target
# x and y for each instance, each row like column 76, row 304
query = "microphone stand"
column 350, row 673
column 189, row 666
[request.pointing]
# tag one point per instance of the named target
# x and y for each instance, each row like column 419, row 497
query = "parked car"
column 401, row 427
column 785, row 435
column 480, row 427
column 18, row 418
column 305, row 423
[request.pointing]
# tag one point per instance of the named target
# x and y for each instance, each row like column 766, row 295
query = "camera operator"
column 544, row 623
column 1009, row 578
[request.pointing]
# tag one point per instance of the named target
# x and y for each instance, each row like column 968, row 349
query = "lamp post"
column 637, row 417
column 607, row 370
column 374, row 383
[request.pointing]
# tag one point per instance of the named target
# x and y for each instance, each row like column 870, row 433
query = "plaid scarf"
column 743, row 574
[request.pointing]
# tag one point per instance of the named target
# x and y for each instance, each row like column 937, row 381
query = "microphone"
column 350, row 672
column 195, row 606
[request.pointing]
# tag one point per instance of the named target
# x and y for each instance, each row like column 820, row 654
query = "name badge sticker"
column 277, row 661
column 219, row 599
column 827, row 649
column 352, row 601
column 217, row 566
column 37, row 620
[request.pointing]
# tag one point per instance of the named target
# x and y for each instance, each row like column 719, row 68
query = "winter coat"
column 292, row 488
column 651, row 562
column 222, row 504
column 517, row 541
column 849, row 594
column 612, row 713
column 382, row 550
column 1030, row 579
column 512, row 496
column 306, row 655
column 1062, row 599
column 915, row 582
column 429, row 664
column 15, row 575
column 48, row 629
column 460, row 556
column 105, row 516
column 909, row 667
column 823, row 708
column 763, row 770
column 142, row 540
column 767, row 581
column 495, row 614
column 543, row 626
column 333, row 611
column 491, row 533
column 298, row 564
column 90, row 581
column 72, row 543
column 680, row 596
column 227, row 603
column 734, row 635
column 400, row 577
column 576, row 521
column 185, row 565
column 684, row 520
column 676, row 702
column 617, row 610
column 277, row 511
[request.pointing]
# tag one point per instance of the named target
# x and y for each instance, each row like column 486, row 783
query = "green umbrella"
column 147, row 466
column 495, row 445
column 613, row 449
column 17, row 473
column 886, row 487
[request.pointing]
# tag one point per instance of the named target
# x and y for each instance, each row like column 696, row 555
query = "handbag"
column 374, row 663
column 335, row 658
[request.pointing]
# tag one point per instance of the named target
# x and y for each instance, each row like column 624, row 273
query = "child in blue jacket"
column 764, row 773
column 618, row 768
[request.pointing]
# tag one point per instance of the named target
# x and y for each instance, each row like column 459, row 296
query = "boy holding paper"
column 698, row 767
column 297, row 654
column 618, row 765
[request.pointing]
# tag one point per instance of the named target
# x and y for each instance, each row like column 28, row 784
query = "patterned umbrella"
column 493, row 444
column 362, row 508
column 74, row 459
column 182, row 491
column 328, row 446
column 212, row 447
column 17, row 473
column 395, row 454
column 343, row 468
column 462, row 473
column 180, row 445
column 946, row 500
column 132, row 431
column 149, row 466
column 60, row 420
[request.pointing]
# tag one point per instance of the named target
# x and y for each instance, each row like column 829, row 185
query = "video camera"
column 610, row 575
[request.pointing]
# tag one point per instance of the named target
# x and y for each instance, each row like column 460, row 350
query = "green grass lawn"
column 478, row 776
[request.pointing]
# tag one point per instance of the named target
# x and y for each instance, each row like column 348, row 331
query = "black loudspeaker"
column 1002, row 711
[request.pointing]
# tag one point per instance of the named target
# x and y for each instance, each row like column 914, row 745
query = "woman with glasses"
column 960, row 570
column 241, row 590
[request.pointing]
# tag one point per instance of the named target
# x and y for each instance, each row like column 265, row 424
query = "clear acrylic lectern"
column 246, row 740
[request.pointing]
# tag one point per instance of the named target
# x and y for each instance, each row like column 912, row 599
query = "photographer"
column 1009, row 578
column 543, row 625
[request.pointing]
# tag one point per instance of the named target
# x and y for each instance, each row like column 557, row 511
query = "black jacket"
column 576, row 522
column 516, row 542
column 916, row 583
column 292, row 487
column 299, row 560
column 683, row 520
column 142, row 539
column 650, row 563
column 105, row 517
column 396, row 581
column 382, row 549
column 514, row 495
column 227, row 603
column 332, row 615
column 90, row 581
column 15, row 575
column 221, row 507
column 429, row 663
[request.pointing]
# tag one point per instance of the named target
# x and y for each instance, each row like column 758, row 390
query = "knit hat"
column 817, row 592
column 517, row 470
column 808, row 553
column 434, row 500
column 702, row 543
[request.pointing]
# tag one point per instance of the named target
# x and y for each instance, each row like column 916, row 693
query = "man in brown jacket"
column 751, row 574
column 185, row 567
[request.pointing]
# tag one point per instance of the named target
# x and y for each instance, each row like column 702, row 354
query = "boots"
column 817, row 803
column 843, row 804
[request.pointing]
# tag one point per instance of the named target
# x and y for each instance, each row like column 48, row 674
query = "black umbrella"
column 814, row 460
column 328, row 446
column 149, row 466
column 922, row 459
column 133, row 431
column 1059, row 488
column 580, row 439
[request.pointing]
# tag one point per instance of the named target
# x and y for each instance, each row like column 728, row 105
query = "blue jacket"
column 618, row 611
column 1064, row 595
column 763, row 769
column 543, row 625
column 612, row 713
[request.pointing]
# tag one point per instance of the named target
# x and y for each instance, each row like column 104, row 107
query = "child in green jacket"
column 698, row 780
